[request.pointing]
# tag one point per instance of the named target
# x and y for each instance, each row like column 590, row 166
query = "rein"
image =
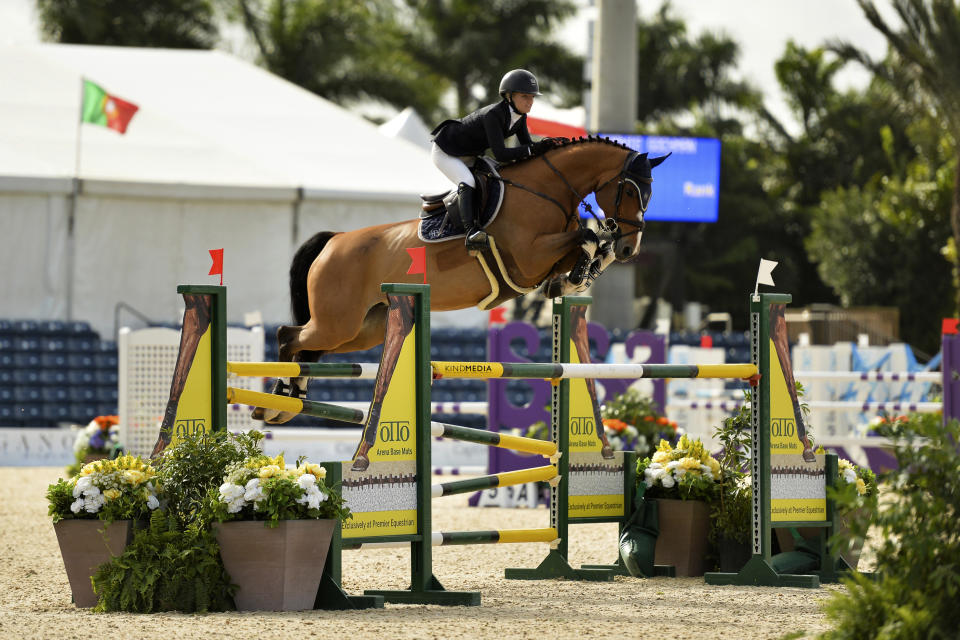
column 624, row 177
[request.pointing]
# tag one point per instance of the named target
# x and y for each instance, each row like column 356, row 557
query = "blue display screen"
column 686, row 187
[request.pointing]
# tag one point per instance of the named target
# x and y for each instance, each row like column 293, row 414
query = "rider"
column 486, row 128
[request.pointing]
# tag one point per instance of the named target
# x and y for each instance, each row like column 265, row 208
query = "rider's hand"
column 542, row 146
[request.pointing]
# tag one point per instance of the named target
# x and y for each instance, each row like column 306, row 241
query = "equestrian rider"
column 487, row 128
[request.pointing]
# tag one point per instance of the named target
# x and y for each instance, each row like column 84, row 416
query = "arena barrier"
column 390, row 495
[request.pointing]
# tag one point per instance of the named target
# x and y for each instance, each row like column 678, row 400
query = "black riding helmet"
column 520, row 81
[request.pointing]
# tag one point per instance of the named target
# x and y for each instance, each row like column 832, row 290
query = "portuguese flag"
column 99, row 107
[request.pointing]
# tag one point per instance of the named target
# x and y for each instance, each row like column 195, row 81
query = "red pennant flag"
column 217, row 268
column 950, row 326
column 706, row 341
column 418, row 261
column 498, row 315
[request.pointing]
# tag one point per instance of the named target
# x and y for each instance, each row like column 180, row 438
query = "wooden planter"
column 84, row 546
column 276, row 569
column 682, row 542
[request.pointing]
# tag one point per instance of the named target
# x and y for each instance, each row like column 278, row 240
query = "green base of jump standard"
column 331, row 597
column 758, row 573
column 659, row 570
column 436, row 594
column 556, row 566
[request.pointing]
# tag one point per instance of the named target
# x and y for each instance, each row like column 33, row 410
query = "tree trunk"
column 955, row 223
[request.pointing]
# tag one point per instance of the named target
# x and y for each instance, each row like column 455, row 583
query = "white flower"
column 667, row 481
column 253, row 493
column 849, row 475
column 93, row 504
column 673, row 464
column 235, row 506
column 307, row 480
column 230, row 492
column 77, row 505
column 152, row 502
column 91, row 492
column 83, row 483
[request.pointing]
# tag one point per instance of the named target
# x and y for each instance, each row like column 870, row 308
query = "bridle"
column 611, row 224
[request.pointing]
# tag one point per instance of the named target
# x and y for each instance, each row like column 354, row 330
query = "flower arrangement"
column 120, row 489
column 642, row 424
column 856, row 485
column 685, row 472
column 263, row 488
column 98, row 440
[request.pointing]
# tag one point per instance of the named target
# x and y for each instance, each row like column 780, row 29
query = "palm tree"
column 923, row 68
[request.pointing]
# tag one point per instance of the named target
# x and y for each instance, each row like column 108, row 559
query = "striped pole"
column 451, row 538
column 295, row 405
column 364, row 370
column 493, row 439
column 507, row 479
column 555, row 371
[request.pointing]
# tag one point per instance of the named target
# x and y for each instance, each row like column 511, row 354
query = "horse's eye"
column 630, row 192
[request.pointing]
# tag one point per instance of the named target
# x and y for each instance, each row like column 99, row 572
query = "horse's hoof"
column 606, row 452
column 360, row 464
column 257, row 413
column 552, row 289
column 809, row 456
column 281, row 417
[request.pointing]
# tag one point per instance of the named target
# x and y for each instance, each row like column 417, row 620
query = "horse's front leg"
column 588, row 245
column 604, row 258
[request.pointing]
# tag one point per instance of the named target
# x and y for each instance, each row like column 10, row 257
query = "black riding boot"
column 476, row 238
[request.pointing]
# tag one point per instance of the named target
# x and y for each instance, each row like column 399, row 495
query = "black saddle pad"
column 436, row 225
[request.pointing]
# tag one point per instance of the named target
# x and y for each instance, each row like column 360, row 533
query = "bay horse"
column 335, row 278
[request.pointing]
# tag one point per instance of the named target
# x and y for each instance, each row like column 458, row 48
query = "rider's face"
column 523, row 102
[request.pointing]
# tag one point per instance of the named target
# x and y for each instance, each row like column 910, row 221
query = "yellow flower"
column 843, row 464
column 269, row 471
column 134, row 476
column 861, row 487
column 714, row 466
column 664, row 446
column 111, row 494
column 662, row 457
column 689, row 463
column 279, row 461
column 312, row 468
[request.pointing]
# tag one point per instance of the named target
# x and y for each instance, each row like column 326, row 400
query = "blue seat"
column 80, row 361
column 53, row 360
column 54, row 394
column 53, row 344
column 6, row 326
column 27, row 394
column 6, row 414
column 53, row 377
column 28, row 411
column 82, row 344
column 107, row 346
column 6, row 342
column 82, row 412
column 6, row 394
column 6, row 360
column 25, row 326
column 105, row 360
column 106, row 394
column 26, row 376
column 6, row 377
column 26, row 343
column 52, row 327
column 82, row 394
column 56, row 412
column 103, row 377
column 80, row 377
column 107, row 409
column 79, row 328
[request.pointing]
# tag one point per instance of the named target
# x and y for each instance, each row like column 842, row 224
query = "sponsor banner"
column 381, row 523
column 583, row 426
column 798, row 510
column 609, row 506
column 396, row 431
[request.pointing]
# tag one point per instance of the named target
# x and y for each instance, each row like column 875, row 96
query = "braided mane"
column 571, row 143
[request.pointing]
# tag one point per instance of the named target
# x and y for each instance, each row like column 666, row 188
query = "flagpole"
column 71, row 216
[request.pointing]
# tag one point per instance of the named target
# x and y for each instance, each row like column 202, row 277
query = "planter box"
column 276, row 569
column 84, row 546
column 683, row 535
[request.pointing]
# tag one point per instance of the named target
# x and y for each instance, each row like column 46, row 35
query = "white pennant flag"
column 765, row 274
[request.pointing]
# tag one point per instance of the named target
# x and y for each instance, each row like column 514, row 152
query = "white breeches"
column 452, row 167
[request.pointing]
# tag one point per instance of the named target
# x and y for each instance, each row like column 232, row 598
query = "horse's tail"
column 299, row 268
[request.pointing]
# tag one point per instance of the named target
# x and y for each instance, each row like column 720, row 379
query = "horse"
column 335, row 278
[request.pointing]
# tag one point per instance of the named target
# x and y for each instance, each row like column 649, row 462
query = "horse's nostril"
column 625, row 252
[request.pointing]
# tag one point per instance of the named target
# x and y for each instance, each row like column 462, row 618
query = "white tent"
column 409, row 126
column 220, row 154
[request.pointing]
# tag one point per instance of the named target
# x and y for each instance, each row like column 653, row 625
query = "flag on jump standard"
column 104, row 109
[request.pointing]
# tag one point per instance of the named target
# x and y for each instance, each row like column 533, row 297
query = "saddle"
column 440, row 219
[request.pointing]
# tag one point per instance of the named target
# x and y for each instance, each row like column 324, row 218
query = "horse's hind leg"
column 291, row 350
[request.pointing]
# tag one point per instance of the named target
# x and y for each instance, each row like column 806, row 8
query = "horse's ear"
column 655, row 161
